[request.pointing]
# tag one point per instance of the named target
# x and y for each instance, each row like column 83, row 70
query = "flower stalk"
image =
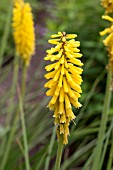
column 50, row 148
column 21, row 95
column 59, row 153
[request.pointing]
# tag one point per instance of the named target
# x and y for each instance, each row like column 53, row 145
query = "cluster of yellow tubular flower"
column 65, row 80
column 108, row 5
column 23, row 30
column 108, row 41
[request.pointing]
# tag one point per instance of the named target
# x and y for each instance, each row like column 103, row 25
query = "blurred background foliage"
column 73, row 16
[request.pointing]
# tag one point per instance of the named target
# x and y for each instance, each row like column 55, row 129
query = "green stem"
column 26, row 151
column 23, row 85
column 21, row 96
column 50, row 148
column 106, row 107
column 6, row 34
column 59, row 153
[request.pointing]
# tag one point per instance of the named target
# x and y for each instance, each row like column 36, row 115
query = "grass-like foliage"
column 27, row 132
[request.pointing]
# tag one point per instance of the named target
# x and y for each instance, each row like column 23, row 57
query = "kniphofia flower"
column 108, row 41
column 23, row 30
column 64, row 80
column 108, row 5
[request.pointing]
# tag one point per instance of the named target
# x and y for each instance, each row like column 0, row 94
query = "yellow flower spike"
column 108, row 5
column 65, row 79
column 108, row 41
column 23, row 30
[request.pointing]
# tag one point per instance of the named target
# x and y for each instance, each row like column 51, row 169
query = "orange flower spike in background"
column 23, row 30
column 64, row 80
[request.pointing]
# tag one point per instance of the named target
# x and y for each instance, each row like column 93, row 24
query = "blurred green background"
column 73, row 16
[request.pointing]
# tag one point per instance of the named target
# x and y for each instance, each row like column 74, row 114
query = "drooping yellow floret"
column 108, row 5
column 108, row 41
column 23, row 30
column 64, row 80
